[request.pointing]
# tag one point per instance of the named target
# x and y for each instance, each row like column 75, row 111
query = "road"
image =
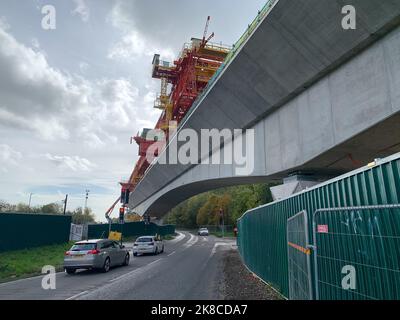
column 190, row 268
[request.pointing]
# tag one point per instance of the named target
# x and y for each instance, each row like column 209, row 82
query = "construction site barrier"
column 130, row 229
column 24, row 231
column 352, row 221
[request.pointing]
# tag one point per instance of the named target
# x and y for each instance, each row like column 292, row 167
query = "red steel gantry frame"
column 187, row 77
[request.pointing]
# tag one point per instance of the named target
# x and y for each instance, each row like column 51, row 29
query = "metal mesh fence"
column 262, row 239
column 357, row 253
column 299, row 264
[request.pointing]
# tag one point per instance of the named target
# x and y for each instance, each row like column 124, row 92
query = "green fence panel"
column 262, row 239
column 24, row 231
column 166, row 230
column 364, row 241
column 129, row 229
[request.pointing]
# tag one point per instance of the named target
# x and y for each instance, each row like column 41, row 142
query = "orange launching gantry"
column 187, row 78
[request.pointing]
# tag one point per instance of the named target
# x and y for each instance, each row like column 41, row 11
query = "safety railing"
column 235, row 49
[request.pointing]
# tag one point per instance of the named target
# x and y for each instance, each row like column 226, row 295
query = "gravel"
column 240, row 284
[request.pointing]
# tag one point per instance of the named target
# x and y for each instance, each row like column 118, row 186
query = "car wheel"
column 156, row 252
column 126, row 261
column 106, row 266
column 135, row 254
column 70, row 271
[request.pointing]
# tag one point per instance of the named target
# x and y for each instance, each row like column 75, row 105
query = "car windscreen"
column 83, row 247
column 144, row 240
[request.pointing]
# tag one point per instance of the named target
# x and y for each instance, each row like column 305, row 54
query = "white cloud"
column 133, row 44
column 74, row 163
column 9, row 156
column 56, row 105
column 4, row 24
column 35, row 43
column 83, row 66
column 65, row 121
column 82, row 10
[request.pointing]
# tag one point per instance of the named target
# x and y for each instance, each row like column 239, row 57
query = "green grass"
column 129, row 239
column 226, row 234
column 133, row 238
column 169, row 236
column 29, row 262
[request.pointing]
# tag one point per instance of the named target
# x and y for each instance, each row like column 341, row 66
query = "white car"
column 203, row 232
column 148, row 244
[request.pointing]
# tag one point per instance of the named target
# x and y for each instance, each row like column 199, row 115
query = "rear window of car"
column 83, row 247
column 144, row 240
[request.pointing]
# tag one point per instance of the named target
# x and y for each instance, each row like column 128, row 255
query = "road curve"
column 190, row 268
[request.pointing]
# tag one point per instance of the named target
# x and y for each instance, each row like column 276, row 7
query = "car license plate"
column 78, row 256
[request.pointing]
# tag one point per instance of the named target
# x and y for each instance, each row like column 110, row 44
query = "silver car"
column 148, row 244
column 95, row 254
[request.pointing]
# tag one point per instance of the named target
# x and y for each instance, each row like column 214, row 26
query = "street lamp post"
column 65, row 204
column 30, row 199
column 86, row 200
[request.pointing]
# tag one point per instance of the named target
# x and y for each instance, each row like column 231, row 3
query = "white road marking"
column 154, row 261
column 178, row 238
column 4, row 284
column 134, row 271
column 110, row 282
column 77, row 295
column 171, row 254
column 193, row 239
column 219, row 244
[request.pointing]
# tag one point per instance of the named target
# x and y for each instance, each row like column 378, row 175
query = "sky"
column 72, row 97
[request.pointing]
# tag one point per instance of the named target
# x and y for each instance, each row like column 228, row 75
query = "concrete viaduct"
column 322, row 100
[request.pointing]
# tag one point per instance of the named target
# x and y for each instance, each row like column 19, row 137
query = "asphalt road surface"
column 190, row 268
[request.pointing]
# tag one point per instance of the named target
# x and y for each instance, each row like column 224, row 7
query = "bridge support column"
column 295, row 183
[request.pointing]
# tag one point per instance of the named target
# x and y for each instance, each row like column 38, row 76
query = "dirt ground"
column 240, row 284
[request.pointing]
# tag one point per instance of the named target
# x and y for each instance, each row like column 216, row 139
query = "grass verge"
column 226, row 234
column 169, row 236
column 29, row 262
column 133, row 238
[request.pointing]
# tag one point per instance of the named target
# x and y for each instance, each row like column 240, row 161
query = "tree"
column 23, row 208
column 80, row 216
column 52, row 208
column 6, row 207
column 204, row 209
column 132, row 217
column 209, row 213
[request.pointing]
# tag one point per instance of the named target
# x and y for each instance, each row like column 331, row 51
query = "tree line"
column 204, row 209
column 79, row 215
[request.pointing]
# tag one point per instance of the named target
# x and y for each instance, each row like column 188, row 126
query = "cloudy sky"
column 71, row 98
